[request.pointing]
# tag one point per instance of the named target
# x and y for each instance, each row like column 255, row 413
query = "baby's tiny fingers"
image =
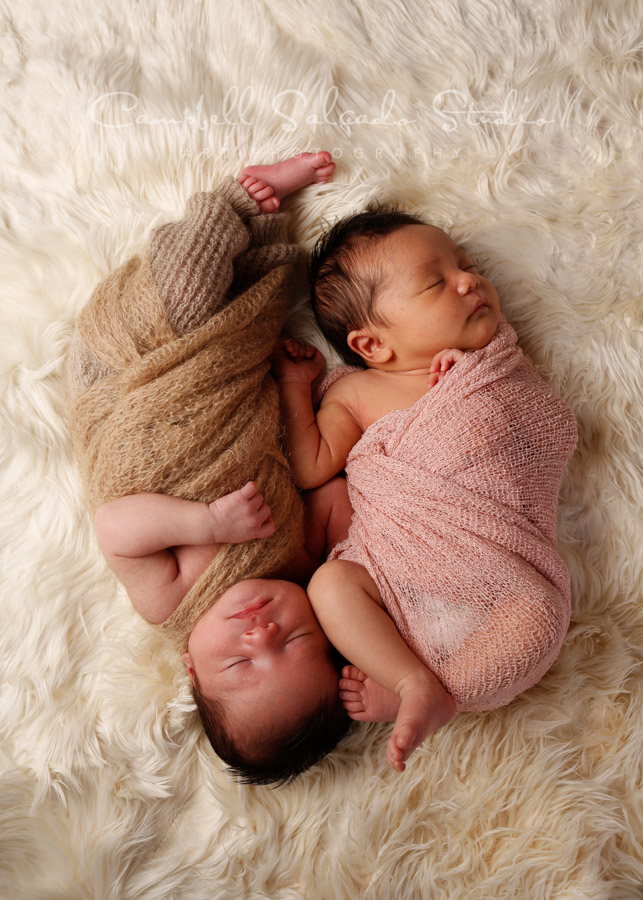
column 249, row 491
column 290, row 347
column 254, row 502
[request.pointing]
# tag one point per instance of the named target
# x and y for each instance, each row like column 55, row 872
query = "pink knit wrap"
column 455, row 520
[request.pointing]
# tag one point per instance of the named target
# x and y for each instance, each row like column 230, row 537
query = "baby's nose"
column 262, row 635
column 467, row 281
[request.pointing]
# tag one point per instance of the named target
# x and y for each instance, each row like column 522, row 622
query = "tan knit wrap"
column 194, row 415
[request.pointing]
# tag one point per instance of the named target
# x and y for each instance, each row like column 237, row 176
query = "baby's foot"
column 364, row 699
column 261, row 192
column 424, row 707
column 280, row 179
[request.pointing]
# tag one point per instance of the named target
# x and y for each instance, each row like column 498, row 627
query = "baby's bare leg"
column 349, row 608
column 327, row 517
column 509, row 653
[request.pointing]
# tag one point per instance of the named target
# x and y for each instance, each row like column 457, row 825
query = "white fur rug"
column 516, row 126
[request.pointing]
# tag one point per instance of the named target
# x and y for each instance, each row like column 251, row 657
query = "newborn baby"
column 448, row 592
column 175, row 422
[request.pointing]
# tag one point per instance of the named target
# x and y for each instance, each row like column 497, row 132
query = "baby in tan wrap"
column 172, row 402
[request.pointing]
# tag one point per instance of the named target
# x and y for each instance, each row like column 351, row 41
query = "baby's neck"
column 399, row 368
column 422, row 371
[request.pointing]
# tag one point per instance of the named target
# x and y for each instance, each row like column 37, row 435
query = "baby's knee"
column 338, row 578
column 328, row 576
column 507, row 655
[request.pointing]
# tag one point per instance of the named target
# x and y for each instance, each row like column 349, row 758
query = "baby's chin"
column 484, row 330
column 241, row 595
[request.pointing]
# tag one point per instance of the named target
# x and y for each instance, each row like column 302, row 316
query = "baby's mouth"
column 482, row 302
column 250, row 610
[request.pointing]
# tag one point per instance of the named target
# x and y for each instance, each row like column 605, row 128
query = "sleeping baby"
column 175, row 421
column 448, row 593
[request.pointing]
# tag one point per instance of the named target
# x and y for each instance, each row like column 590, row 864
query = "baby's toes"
column 351, row 705
column 394, row 756
column 260, row 191
column 324, row 173
column 351, row 695
column 320, row 160
column 405, row 737
column 269, row 205
column 353, row 673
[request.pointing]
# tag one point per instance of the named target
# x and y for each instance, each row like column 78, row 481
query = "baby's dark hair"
column 346, row 279
column 282, row 754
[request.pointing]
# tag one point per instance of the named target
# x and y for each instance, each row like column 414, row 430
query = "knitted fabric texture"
column 169, row 384
column 455, row 520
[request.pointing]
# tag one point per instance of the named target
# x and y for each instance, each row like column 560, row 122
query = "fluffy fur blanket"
column 517, row 128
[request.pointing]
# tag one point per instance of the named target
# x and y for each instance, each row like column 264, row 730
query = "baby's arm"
column 159, row 545
column 318, row 445
column 348, row 606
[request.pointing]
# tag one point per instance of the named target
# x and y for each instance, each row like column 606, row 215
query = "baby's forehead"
column 429, row 235
column 425, row 241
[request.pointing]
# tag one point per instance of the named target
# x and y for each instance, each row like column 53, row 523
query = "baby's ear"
column 187, row 662
column 371, row 348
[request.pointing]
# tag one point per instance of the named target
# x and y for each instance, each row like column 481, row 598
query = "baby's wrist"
column 217, row 522
column 297, row 380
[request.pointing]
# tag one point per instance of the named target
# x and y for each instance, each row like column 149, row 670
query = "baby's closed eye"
column 436, row 283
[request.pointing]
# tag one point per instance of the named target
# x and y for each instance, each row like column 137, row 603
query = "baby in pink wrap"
column 448, row 593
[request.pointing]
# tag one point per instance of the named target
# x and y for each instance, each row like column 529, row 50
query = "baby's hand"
column 296, row 362
column 364, row 699
column 441, row 363
column 241, row 516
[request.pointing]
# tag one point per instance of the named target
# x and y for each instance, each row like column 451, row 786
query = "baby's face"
column 434, row 297
column 261, row 652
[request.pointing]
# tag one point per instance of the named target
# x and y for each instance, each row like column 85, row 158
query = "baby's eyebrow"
column 425, row 268
column 239, row 677
column 428, row 267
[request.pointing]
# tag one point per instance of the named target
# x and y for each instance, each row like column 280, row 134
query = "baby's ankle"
column 424, row 702
column 416, row 681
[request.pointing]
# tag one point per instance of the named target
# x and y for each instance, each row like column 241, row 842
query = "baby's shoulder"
column 336, row 384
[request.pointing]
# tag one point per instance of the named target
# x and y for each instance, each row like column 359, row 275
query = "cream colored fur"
column 108, row 788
